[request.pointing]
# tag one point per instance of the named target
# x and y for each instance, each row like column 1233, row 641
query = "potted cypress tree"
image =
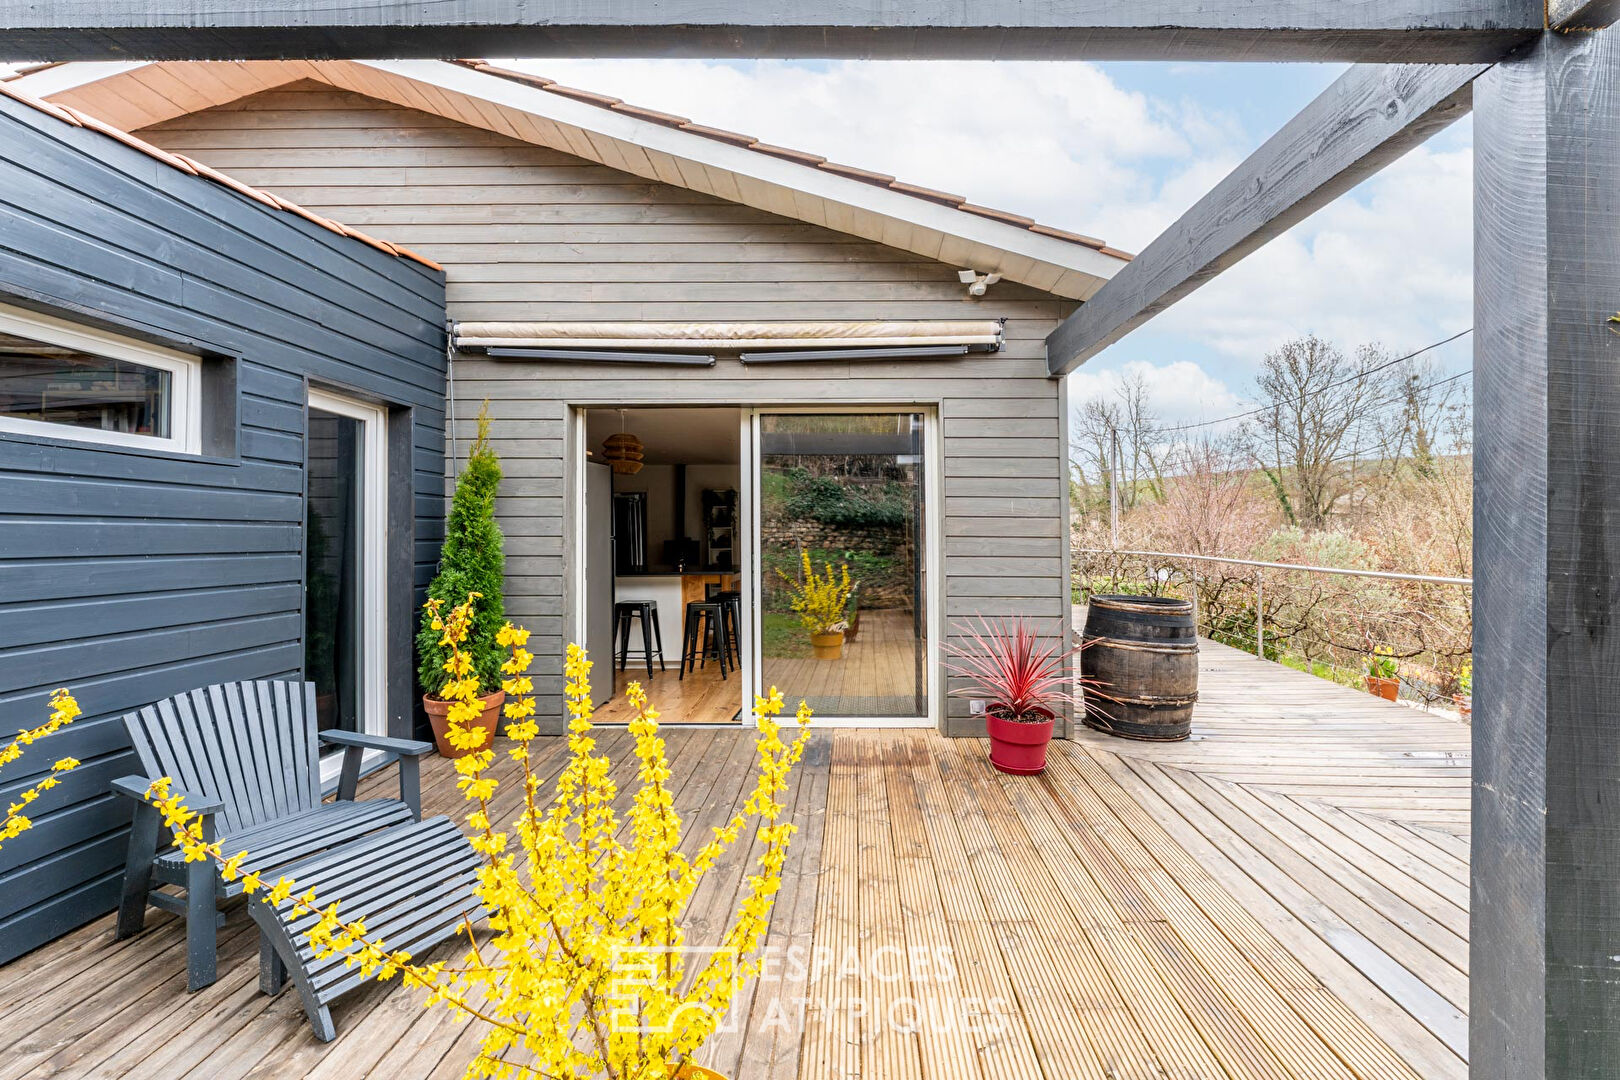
column 472, row 561
column 1023, row 681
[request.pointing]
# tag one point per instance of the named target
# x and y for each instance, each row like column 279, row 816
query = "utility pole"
column 1113, row 488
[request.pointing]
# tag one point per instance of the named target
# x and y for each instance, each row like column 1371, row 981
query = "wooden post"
column 1545, row 952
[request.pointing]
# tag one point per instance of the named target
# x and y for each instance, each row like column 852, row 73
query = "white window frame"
column 185, row 382
column 374, row 576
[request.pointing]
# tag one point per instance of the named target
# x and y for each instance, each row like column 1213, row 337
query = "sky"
column 1119, row 151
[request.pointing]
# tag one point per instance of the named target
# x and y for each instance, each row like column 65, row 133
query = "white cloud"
column 1180, row 391
column 1062, row 143
column 1392, row 263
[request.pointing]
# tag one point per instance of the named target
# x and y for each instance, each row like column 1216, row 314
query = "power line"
column 1323, row 389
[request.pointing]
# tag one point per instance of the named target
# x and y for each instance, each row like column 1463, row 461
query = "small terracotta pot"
column 439, row 716
column 1388, row 689
column 1465, row 705
column 828, row 646
column 1018, row 746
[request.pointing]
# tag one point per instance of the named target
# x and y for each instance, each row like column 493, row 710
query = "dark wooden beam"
column 1545, row 967
column 1368, row 118
column 1343, row 30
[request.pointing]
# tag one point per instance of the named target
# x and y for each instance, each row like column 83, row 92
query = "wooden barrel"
column 1142, row 653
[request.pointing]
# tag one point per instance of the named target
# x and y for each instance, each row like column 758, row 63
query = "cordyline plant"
column 1006, row 662
column 64, row 710
column 583, row 976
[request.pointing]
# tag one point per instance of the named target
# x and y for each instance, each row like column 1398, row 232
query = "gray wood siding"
column 528, row 233
column 132, row 575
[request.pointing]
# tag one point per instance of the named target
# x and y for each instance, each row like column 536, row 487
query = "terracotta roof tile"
column 667, row 119
column 788, row 153
column 68, row 115
column 720, row 134
column 86, row 120
column 229, row 181
column 1116, row 253
column 1064, row 234
column 930, row 194
column 998, row 215
column 589, row 96
column 881, row 179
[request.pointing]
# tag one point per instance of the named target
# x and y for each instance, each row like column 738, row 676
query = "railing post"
column 1260, row 613
column 1194, row 572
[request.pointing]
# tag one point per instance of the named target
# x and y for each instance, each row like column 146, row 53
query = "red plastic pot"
column 1018, row 746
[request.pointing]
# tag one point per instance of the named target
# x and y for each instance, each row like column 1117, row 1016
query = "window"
column 69, row 381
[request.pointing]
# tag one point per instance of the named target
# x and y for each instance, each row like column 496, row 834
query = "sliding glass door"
column 848, row 492
column 345, row 520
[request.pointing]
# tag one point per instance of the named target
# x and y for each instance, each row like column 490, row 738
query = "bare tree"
column 1124, row 415
column 1314, row 419
column 1417, row 421
column 1208, row 503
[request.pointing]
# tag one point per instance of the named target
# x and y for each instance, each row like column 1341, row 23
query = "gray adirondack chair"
column 246, row 756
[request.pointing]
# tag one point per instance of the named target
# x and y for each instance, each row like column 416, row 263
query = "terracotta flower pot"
column 439, row 716
column 1018, row 746
column 1388, row 689
column 828, row 646
column 1465, row 705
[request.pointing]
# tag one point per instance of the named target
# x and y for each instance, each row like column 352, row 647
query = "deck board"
column 1283, row 896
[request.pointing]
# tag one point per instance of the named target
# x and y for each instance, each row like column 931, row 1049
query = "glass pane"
column 332, row 570
column 846, row 490
column 61, row 385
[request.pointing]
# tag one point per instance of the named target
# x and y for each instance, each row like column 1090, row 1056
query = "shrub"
column 822, row 600
column 833, row 501
column 473, row 561
column 64, row 710
column 583, row 976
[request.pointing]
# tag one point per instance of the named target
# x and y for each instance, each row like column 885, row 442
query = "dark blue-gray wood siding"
column 133, row 575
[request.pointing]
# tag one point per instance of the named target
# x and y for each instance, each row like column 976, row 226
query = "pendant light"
column 623, row 451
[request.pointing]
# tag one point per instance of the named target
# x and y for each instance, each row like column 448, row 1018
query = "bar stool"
column 732, row 598
column 626, row 612
column 705, row 624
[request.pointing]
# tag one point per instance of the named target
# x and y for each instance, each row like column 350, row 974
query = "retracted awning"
column 980, row 334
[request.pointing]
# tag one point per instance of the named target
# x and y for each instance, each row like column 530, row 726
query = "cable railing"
column 1323, row 619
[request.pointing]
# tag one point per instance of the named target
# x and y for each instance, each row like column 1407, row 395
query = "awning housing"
column 983, row 334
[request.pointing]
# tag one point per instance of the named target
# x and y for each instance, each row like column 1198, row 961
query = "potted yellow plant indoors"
column 822, row 603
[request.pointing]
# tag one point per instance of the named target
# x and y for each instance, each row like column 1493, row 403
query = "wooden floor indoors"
column 701, row 697
column 1283, row 896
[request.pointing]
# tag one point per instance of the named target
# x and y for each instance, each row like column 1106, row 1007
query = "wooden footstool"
column 412, row 884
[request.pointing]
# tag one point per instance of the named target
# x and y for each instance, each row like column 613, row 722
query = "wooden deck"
column 1283, row 896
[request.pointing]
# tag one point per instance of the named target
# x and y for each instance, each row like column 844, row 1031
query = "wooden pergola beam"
column 1369, row 117
column 1545, row 972
column 1382, row 31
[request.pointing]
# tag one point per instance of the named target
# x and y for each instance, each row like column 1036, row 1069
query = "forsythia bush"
column 63, row 712
column 820, row 600
column 583, row 975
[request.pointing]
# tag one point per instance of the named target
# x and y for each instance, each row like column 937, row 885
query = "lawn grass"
column 783, row 636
